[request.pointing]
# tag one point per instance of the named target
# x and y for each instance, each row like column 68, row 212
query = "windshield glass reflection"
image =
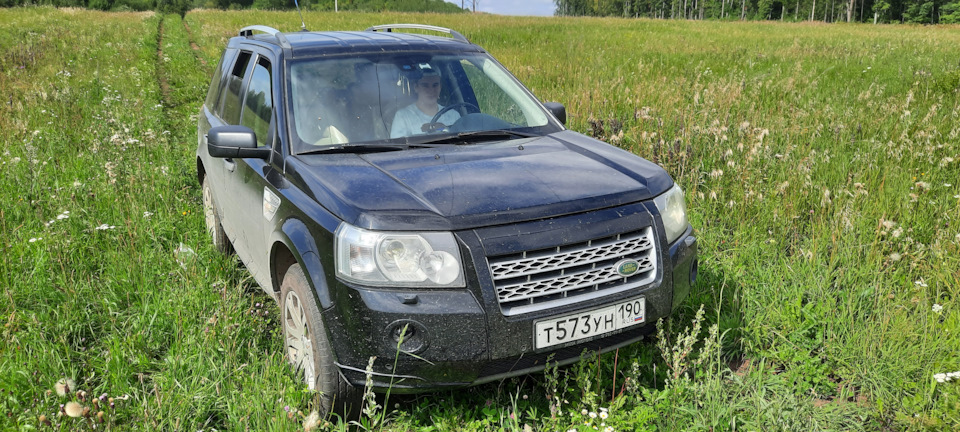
column 407, row 98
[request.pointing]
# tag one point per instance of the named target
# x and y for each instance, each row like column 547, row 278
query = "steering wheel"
column 443, row 110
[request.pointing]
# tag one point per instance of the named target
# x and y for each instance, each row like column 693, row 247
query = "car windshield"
column 407, row 98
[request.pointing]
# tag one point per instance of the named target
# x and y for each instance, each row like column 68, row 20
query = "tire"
column 212, row 219
column 308, row 350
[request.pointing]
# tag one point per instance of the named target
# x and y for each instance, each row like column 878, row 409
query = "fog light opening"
column 406, row 335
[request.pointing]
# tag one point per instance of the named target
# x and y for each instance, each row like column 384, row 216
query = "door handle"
column 230, row 164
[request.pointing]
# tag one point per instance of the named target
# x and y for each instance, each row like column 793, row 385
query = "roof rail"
column 390, row 27
column 248, row 31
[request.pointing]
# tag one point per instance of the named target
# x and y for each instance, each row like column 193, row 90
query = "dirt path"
column 193, row 45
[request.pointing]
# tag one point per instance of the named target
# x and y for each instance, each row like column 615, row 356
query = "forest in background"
column 875, row 11
column 182, row 6
column 871, row 11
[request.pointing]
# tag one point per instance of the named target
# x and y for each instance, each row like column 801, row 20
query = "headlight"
column 429, row 259
column 673, row 211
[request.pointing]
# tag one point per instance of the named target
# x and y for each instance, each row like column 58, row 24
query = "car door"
column 220, row 172
column 250, row 175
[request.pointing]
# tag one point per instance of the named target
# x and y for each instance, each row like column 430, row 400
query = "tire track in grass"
column 161, row 72
column 193, row 45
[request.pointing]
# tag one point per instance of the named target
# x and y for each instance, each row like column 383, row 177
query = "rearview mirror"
column 234, row 142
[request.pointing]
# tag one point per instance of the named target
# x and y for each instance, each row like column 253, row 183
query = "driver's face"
column 429, row 87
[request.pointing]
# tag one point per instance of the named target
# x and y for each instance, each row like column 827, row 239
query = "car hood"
column 468, row 186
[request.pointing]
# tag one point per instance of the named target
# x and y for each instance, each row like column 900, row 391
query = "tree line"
column 182, row 6
column 875, row 11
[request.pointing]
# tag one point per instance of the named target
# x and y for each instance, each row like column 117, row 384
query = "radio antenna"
column 303, row 26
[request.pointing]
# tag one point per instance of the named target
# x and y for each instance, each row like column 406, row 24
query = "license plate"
column 585, row 325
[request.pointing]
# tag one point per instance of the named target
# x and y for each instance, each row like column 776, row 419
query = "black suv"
column 409, row 203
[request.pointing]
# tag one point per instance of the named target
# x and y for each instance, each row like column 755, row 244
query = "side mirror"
column 558, row 111
column 234, row 142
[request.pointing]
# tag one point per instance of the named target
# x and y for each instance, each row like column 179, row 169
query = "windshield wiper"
column 358, row 148
column 480, row 136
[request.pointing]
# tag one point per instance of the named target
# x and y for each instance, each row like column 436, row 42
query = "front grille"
column 538, row 279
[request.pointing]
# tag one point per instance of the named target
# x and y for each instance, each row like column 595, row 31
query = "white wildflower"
column 937, row 308
column 920, row 283
column 65, row 386
column 35, row 239
column 73, row 409
column 104, row 227
column 592, row 415
column 940, row 377
column 311, row 421
column 147, row 214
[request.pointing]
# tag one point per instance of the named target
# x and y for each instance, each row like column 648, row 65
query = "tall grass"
column 820, row 165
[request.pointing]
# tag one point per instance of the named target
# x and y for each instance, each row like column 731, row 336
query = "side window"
column 231, row 98
column 213, row 94
column 258, row 103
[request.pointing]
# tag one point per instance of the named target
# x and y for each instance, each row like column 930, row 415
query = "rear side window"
column 231, row 97
column 258, row 103
column 213, row 94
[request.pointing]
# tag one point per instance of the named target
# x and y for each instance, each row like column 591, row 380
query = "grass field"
column 822, row 171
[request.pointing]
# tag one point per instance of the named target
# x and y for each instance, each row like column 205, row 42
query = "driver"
column 415, row 119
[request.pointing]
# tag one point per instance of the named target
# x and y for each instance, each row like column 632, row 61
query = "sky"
column 512, row 7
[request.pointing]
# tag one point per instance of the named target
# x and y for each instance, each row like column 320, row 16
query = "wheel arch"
column 294, row 244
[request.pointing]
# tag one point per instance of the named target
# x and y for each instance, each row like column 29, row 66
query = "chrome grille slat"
column 538, row 279
column 563, row 282
column 513, row 268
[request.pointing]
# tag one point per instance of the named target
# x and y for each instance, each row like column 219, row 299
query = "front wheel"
column 307, row 348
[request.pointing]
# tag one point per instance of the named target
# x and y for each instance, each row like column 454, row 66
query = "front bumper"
column 459, row 338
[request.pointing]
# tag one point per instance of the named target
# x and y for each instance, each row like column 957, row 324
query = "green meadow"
column 821, row 165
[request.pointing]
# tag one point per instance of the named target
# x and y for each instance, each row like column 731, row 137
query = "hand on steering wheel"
column 443, row 110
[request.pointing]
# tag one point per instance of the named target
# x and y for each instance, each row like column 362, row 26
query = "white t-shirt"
column 409, row 120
